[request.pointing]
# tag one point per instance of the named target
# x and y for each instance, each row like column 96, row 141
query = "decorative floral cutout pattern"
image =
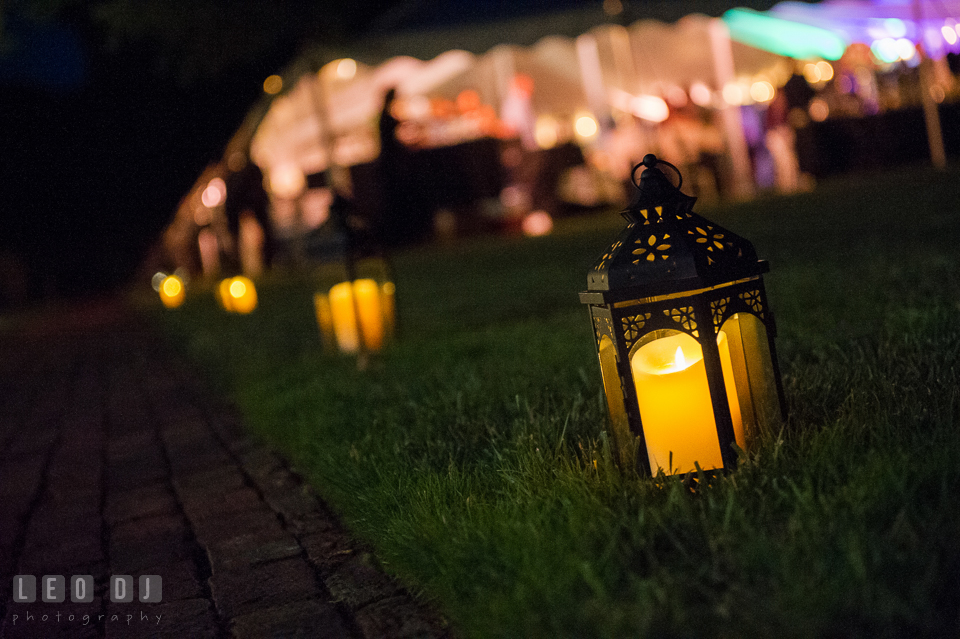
column 602, row 264
column 684, row 317
column 717, row 309
column 717, row 246
column 645, row 216
column 652, row 248
column 752, row 299
column 633, row 327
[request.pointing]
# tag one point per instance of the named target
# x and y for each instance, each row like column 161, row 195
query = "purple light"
column 871, row 21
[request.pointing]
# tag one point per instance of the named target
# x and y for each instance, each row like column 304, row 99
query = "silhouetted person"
column 403, row 218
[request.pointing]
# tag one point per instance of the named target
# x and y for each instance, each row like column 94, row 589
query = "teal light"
column 886, row 50
column 895, row 27
column 784, row 37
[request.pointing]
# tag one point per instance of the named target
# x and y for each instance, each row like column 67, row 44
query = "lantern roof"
column 667, row 248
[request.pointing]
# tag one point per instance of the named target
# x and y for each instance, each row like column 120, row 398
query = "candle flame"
column 679, row 361
column 238, row 288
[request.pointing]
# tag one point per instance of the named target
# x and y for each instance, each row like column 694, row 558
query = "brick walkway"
column 114, row 460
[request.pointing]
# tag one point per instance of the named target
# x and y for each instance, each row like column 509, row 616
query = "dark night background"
column 110, row 109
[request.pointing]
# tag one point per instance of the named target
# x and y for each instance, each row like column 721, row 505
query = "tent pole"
column 504, row 68
column 319, row 96
column 931, row 114
column 623, row 59
column 732, row 124
column 591, row 74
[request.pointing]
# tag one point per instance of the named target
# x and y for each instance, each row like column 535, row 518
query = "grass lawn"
column 471, row 455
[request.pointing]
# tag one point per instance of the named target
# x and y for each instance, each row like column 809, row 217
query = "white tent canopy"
column 324, row 112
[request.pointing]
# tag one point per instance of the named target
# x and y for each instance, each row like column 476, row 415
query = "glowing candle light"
column 237, row 295
column 586, row 127
column 348, row 303
column 172, row 291
column 675, row 405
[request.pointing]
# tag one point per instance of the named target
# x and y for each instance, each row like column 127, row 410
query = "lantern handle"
column 651, row 161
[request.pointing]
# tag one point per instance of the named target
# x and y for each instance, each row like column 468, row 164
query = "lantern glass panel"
column 754, row 375
column 615, row 404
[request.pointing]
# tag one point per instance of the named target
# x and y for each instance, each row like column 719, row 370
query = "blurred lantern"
column 354, row 305
column 586, row 127
column 684, row 335
column 237, row 295
column 172, row 291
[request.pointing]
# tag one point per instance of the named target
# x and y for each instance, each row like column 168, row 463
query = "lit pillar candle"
column 371, row 312
column 172, row 291
column 238, row 294
column 679, row 425
column 346, row 304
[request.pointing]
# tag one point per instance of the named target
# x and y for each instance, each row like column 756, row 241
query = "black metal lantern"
column 355, row 303
column 684, row 335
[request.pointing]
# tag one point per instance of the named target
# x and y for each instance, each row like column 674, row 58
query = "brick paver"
column 115, row 460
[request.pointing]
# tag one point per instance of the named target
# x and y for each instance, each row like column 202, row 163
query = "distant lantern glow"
column 700, row 94
column 238, row 288
column 545, row 132
column 537, row 223
column 885, row 50
column 733, row 94
column 650, row 108
column 273, row 84
column 949, row 34
column 762, row 91
column 811, row 73
column 826, row 70
column 346, row 69
column 357, row 311
column 214, row 194
column 586, row 126
column 157, row 280
column 172, row 291
column 287, row 181
column 905, row 49
column 238, row 295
